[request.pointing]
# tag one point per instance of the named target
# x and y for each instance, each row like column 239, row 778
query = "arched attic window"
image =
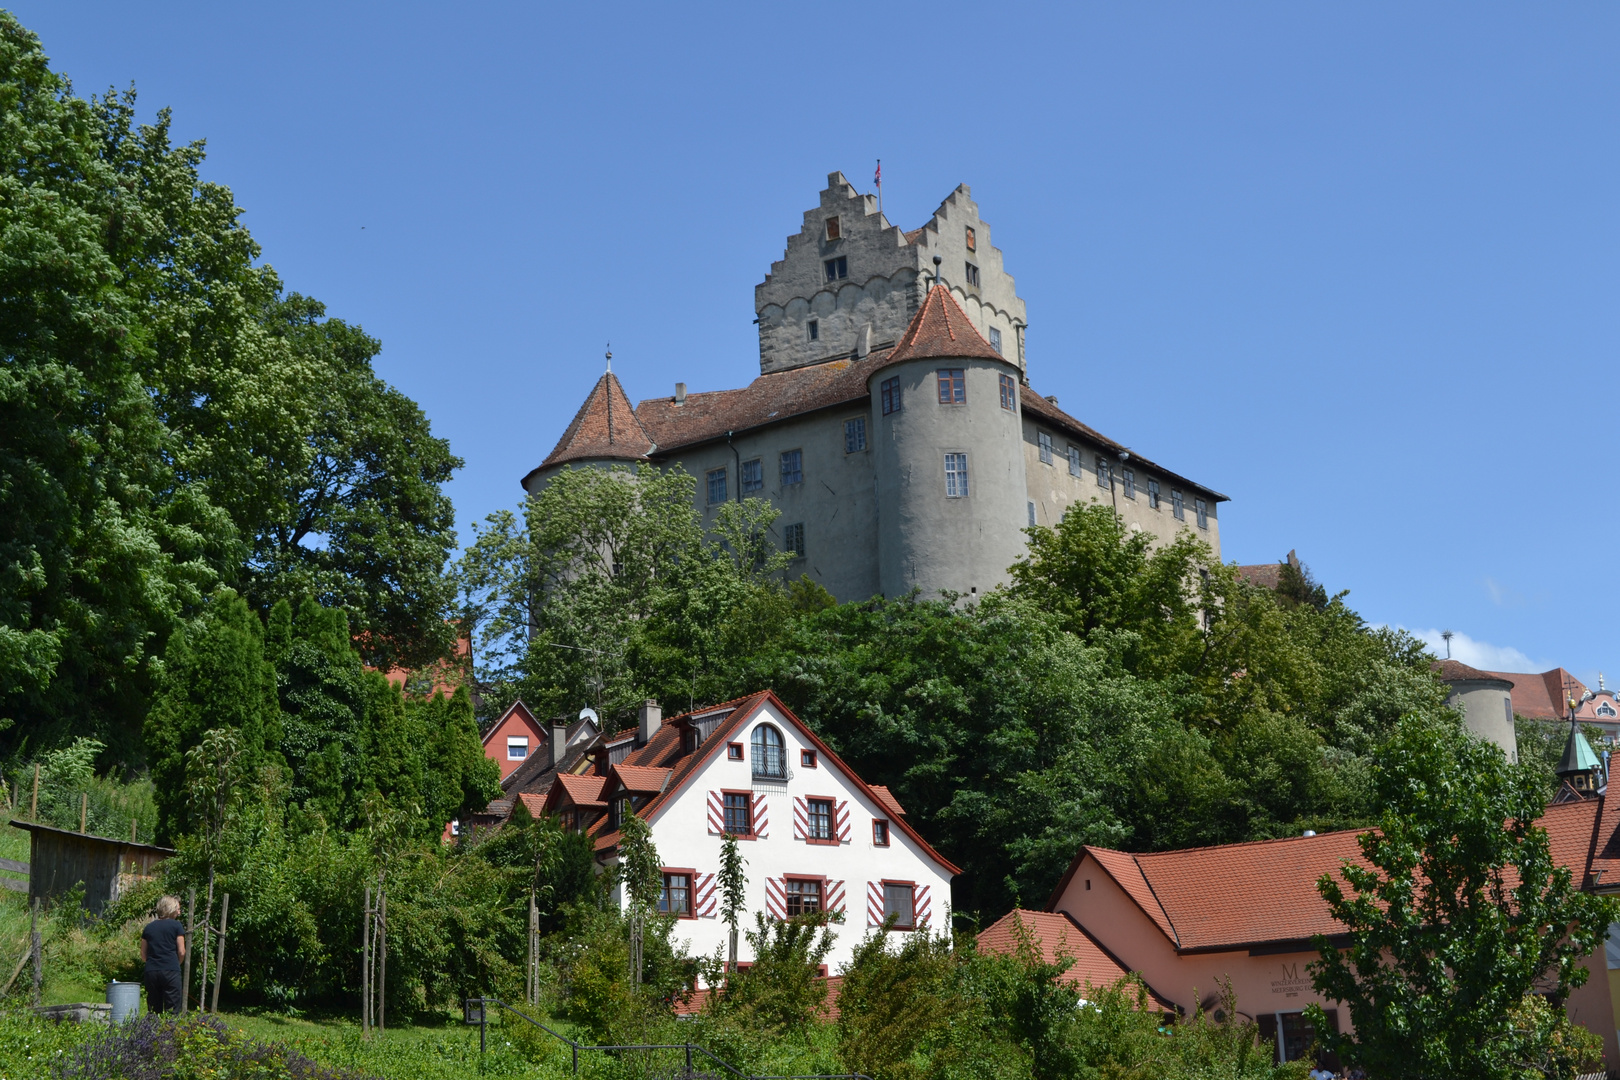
column 770, row 754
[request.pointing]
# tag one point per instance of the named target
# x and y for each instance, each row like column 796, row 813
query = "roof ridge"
column 1239, row 843
column 932, row 332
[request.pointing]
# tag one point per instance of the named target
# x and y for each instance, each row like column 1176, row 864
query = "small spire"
column 610, row 358
column 938, row 262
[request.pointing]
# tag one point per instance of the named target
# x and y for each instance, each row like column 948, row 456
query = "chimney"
column 863, row 342
column 652, row 716
column 559, row 741
column 680, row 393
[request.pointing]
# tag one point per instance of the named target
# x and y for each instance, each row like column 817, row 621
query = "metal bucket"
column 125, row 999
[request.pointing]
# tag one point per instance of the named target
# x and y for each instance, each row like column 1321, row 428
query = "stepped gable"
column 942, row 329
column 605, row 427
column 768, row 399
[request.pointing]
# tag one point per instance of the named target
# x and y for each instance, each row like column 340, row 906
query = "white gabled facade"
column 812, row 832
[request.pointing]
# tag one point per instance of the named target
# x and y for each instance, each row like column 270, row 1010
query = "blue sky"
column 1353, row 265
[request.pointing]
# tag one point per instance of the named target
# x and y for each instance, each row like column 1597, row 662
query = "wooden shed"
column 59, row 859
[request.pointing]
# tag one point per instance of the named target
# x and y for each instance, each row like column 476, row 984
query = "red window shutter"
column 835, row 896
column 707, row 904
column 762, row 820
column 717, row 813
column 921, row 902
column 841, row 821
column 801, row 818
column 874, row 903
column 776, row 898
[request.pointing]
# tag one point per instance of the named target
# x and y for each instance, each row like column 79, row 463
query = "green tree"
column 733, row 882
column 1460, row 916
column 215, row 675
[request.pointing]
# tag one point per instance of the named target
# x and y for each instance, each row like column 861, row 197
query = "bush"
column 158, row 1048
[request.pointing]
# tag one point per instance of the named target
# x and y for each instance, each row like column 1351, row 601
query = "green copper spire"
column 1578, row 756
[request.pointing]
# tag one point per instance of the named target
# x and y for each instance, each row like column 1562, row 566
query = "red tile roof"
column 1239, row 895
column 536, row 803
column 581, row 790
column 1055, row 934
column 942, row 329
column 886, row 797
column 641, row 779
column 1453, row 671
column 605, row 427
column 1266, row 575
column 1542, row 695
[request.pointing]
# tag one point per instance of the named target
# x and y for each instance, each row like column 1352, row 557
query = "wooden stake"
column 382, row 963
column 33, row 805
column 84, row 810
column 39, row 958
column 191, row 947
column 132, row 823
column 219, row 964
column 365, row 968
column 208, row 915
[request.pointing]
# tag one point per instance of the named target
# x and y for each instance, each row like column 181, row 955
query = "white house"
column 816, row 836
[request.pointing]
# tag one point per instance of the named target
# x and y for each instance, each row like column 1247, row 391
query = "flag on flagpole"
column 877, row 177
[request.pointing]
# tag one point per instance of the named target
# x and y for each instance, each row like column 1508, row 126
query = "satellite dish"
column 590, row 714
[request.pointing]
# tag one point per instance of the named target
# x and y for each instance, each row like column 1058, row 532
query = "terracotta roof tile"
column 605, row 427
column 886, row 797
column 941, row 328
column 583, row 790
column 641, row 779
column 1055, row 933
column 1451, row 671
column 1265, row 575
column 1124, row 870
column 535, row 802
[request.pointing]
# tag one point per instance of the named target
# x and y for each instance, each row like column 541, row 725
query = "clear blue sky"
column 1353, row 265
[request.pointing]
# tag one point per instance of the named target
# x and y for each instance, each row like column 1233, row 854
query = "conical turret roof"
column 605, row 427
column 941, row 329
column 1578, row 756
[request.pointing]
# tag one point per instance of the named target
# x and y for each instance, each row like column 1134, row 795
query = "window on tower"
column 995, row 339
column 837, row 269
column 952, row 386
column 890, row 391
column 815, row 329
column 972, row 275
column 956, row 476
column 832, row 228
column 1009, row 389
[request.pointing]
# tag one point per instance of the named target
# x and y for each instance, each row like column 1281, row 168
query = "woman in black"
column 163, row 947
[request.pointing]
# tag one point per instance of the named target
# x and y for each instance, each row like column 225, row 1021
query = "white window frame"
column 517, row 742
column 956, row 474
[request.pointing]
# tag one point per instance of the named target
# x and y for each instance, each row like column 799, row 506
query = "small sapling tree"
column 733, row 884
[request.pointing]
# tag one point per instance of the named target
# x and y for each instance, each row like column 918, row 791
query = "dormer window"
column 832, row 228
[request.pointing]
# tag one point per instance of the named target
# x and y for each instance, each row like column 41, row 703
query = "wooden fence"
column 12, row 866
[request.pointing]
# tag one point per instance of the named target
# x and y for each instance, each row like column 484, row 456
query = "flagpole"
column 878, row 179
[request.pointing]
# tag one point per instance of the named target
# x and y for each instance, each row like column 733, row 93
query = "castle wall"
column 834, row 502
column 1487, row 710
column 1052, row 489
column 927, row 540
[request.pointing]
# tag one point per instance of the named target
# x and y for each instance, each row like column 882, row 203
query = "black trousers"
column 162, row 991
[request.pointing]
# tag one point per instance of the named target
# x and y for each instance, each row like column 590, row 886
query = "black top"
column 160, row 936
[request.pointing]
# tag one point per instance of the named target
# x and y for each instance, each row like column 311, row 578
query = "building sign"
column 1291, row 983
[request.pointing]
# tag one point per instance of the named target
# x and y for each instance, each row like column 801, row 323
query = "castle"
column 893, row 423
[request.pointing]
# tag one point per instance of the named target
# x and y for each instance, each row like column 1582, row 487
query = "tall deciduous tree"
column 1461, row 918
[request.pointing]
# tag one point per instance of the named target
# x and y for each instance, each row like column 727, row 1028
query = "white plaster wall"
column 1487, row 709
column 681, row 833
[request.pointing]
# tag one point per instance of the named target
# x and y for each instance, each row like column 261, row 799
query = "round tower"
column 952, row 499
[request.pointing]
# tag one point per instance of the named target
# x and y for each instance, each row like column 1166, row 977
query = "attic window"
column 973, row 275
column 807, row 759
column 837, row 269
column 734, row 751
column 972, row 240
column 517, row 749
column 832, row 228
column 880, row 833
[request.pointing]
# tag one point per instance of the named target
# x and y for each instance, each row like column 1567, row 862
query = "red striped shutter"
column 835, row 896
column 922, row 904
column 717, row 813
column 841, row 821
column 801, row 818
column 874, row 903
column 762, row 819
column 775, row 898
column 707, row 903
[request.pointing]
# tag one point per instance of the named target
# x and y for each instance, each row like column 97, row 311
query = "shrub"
column 158, row 1048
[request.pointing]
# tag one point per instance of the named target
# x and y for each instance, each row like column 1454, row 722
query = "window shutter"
column 776, row 898
column 835, row 896
column 706, row 905
column 801, row 818
column 921, row 902
column 762, row 820
column 874, row 903
column 717, row 813
column 841, row 822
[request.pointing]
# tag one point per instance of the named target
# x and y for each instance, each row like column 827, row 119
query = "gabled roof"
column 640, row 779
column 578, row 791
column 664, row 751
column 1263, row 892
column 536, row 774
column 942, row 329
column 1054, row 934
column 605, row 427
column 522, row 712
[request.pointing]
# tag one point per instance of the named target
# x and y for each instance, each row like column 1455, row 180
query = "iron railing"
column 477, row 1012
